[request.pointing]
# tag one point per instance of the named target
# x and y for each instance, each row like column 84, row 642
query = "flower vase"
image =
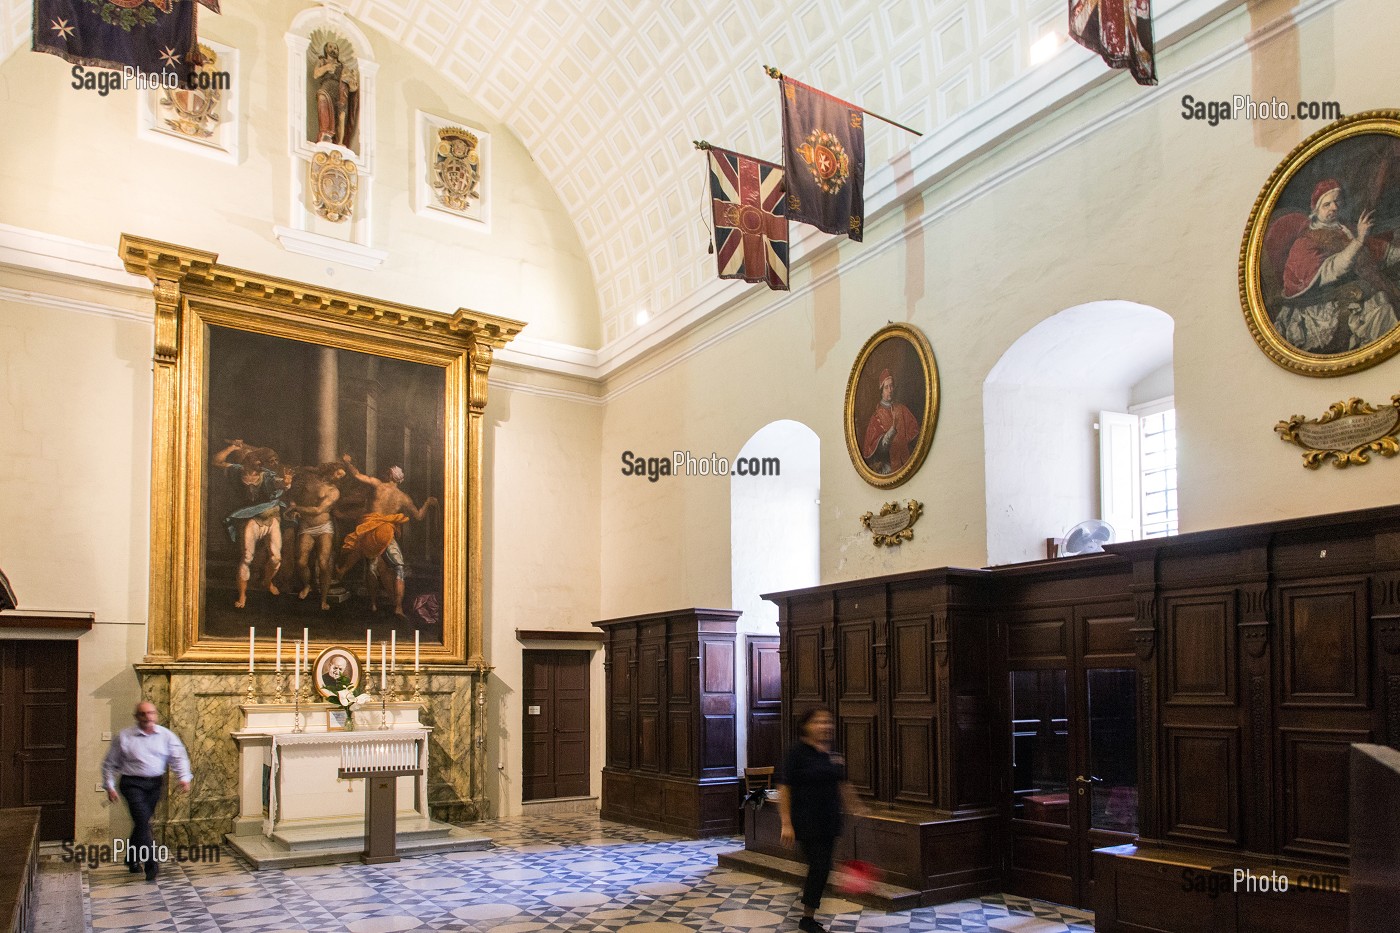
column 349, row 720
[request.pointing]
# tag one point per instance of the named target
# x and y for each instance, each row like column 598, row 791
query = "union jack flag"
column 750, row 210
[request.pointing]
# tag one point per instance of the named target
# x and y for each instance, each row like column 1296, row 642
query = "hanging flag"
column 1119, row 31
column 750, row 211
column 824, row 156
column 153, row 37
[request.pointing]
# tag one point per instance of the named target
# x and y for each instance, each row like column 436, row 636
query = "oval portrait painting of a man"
column 1320, row 266
column 335, row 669
column 891, row 405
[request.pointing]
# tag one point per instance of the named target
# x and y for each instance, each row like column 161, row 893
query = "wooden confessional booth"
column 1119, row 731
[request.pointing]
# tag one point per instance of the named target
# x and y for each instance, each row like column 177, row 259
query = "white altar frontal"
column 296, row 808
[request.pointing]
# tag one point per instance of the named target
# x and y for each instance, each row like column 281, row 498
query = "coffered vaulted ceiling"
column 607, row 95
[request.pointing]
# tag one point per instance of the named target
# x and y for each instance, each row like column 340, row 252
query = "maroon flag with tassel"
column 1119, row 31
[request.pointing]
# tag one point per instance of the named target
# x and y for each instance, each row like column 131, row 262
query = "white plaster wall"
column 75, row 417
column 1045, row 479
column 72, row 165
column 1146, row 207
column 1156, row 385
column 540, row 557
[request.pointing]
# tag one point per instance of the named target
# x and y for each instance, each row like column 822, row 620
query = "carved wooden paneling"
column 718, row 666
column 856, row 677
column 1202, row 784
column 680, row 721
column 1316, row 768
column 1030, row 641
column 1106, row 635
column 679, row 685
column 648, row 740
column 1200, row 649
column 913, row 741
column 649, row 668
column 1324, row 632
column 620, row 739
column 806, row 664
column 765, row 737
column 857, row 736
column 911, row 654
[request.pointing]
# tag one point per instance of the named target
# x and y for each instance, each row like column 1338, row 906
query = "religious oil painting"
column 323, row 478
column 891, row 407
column 1320, row 261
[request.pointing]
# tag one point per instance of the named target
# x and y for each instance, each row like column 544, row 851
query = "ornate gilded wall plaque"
column 1349, row 433
column 895, row 523
column 334, row 180
column 456, row 168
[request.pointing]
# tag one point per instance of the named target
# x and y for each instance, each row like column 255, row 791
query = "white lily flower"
column 360, row 700
column 346, row 697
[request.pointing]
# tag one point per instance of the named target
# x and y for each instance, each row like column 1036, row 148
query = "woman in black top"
column 811, row 792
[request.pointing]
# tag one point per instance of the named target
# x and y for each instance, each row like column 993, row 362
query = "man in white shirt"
column 136, row 764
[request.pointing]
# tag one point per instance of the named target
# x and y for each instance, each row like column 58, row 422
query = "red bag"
column 856, row 877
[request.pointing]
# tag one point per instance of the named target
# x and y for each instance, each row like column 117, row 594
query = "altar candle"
column 250, row 648
column 415, row 651
column 369, row 653
column 305, row 644
column 279, row 649
column 393, row 650
column 296, row 668
column 381, row 667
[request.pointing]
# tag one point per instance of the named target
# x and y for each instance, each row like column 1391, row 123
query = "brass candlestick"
column 417, row 696
column 280, row 694
column 252, row 695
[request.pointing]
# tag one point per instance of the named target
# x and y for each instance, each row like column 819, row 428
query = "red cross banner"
column 750, row 213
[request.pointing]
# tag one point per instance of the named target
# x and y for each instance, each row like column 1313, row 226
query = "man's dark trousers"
column 142, row 794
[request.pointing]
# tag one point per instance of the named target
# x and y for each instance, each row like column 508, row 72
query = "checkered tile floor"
column 578, row 874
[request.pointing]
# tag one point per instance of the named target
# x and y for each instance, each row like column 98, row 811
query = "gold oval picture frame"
column 1317, row 301
column 328, row 663
column 891, row 408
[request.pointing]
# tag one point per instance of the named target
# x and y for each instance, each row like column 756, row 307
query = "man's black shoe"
column 133, row 867
column 810, row 925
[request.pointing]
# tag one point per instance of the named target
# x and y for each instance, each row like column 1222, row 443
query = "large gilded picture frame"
column 891, row 407
column 316, row 464
column 1319, row 269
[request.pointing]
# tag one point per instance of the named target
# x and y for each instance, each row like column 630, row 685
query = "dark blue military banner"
column 824, row 159
column 152, row 37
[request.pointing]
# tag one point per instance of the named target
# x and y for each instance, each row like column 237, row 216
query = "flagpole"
column 777, row 75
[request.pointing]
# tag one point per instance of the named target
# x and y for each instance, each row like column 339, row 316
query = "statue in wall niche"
column 333, row 91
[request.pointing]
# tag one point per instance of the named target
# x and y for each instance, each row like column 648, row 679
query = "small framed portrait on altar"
column 336, row 720
column 891, row 405
column 1320, row 261
column 336, row 669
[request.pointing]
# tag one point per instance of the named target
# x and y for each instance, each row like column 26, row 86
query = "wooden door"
column 555, row 734
column 1074, row 747
column 39, row 731
column 765, row 727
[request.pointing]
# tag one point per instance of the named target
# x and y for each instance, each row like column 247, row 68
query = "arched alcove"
column 773, row 537
column 1041, row 404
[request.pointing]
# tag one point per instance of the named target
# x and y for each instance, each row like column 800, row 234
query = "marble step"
column 330, row 841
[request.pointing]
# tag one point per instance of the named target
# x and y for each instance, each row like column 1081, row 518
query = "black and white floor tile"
column 576, row 873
